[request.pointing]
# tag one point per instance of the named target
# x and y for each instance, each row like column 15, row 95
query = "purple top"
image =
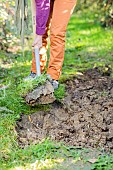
column 42, row 13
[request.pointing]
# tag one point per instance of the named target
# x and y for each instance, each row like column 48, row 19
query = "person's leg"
column 62, row 11
column 43, row 50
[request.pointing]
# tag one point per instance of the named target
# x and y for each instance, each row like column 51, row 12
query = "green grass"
column 27, row 86
column 104, row 162
column 48, row 155
column 88, row 45
column 47, row 150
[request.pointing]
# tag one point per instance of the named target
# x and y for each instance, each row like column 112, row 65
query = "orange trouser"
column 60, row 13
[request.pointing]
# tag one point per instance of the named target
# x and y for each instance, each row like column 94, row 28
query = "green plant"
column 103, row 163
column 60, row 92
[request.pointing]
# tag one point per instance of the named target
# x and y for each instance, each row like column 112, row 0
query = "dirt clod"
column 83, row 118
column 43, row 94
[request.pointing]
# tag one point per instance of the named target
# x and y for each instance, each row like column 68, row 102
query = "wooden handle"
column 36, row 50
column 33, row 10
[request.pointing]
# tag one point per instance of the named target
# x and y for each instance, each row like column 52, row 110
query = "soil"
column 43, row 94
column 84, row 118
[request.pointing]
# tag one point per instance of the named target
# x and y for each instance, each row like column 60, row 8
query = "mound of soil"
column 84, row 118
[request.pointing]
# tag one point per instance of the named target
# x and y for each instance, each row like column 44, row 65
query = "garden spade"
column 36, row 49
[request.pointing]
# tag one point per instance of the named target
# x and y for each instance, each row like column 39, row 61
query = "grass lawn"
column 88, row 45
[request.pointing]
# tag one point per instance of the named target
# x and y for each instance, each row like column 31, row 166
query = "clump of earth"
column 84, row 118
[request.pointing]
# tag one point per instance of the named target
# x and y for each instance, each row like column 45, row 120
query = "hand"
column 37, row 41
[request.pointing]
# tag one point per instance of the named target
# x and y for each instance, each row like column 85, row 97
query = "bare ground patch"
column 84, row 118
